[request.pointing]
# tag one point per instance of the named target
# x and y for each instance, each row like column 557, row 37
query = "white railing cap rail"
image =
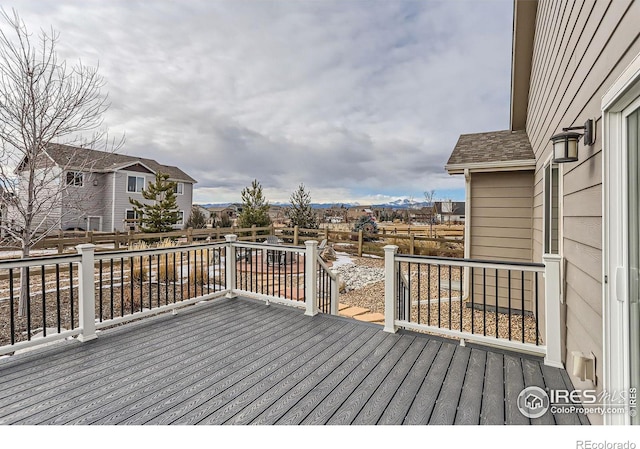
column 475, row 263
column 102, row 255
column 39, row 261
column 278, row 247
column 326, row 268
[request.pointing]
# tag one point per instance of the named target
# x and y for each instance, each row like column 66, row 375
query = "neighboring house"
column 449, row 211
column 98, row 186
column 572, row 62
column 218, row 213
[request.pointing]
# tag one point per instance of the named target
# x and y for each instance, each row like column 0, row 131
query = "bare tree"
column 42, row 102
column 429, row 197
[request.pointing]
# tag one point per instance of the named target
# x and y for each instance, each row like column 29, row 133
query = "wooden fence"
column 352, row 242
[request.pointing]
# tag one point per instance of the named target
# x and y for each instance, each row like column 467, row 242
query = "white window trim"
column 616, row 364
column 75, row 172
column 183, row 221
column 99, row 217
column 144, row 183
column 548, row 162
column 178, row 192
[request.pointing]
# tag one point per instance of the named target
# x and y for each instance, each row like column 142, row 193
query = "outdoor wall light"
column 565, row 144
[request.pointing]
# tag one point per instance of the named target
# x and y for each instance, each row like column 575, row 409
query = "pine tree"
column 255, row 208
column 301, row 214
column 197, row 219
column 162, row 213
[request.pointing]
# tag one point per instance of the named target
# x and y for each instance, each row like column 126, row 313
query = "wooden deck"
column 237, row 361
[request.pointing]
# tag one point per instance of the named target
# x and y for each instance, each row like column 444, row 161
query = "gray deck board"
column 533, row 377
column 363, row 392
column 492, row 411
column 376, row 405
column 237, row 361
column 471, row 394
column 513, row 385
column 399, row 405
column 425, row 400
column 449, row 397
column 139, row 383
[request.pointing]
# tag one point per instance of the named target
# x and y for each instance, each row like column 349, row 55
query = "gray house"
column 97, row 187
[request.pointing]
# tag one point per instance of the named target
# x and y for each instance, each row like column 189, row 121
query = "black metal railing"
column 268, row 270
column 464, row 296
column 128, row 282
column 326, row 288
column 38, row 297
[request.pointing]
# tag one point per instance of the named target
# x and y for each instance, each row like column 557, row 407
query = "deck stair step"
column 353, row 311
column 371, row 317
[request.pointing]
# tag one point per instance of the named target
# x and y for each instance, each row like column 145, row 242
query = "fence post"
column 60, row 242
column 360, row 243
column 412, row 244
column 390, row 280
column 272, row 230
column 86, row 293
column 253, row 233
column 189, row 236
column 311, row 274
column 295, row 235
column 326, row 233
column 553, row 298
column 130, row 238
column 116, row 240
column 230, row 265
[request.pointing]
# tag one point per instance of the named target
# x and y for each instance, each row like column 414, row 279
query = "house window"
column 180, row 218
column 132, row 215
column 75, row 178
column 135, row 183
column 551, row 209
column 179, row 188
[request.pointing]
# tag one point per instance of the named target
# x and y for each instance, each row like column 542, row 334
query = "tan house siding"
column 501, row 216
column 580, row 49
column 501, row 213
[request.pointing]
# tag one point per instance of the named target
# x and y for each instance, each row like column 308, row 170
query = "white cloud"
column 353, row 98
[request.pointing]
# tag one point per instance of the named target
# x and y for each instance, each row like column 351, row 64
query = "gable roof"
column 492, row 150
column 101, row 161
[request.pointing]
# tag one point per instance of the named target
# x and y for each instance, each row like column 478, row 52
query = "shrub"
column 168, row 262
column 140, row 264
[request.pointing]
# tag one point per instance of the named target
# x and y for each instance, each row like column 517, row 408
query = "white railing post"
column 230, row 265
column 310, row 289
column 390, row 288
column 552, row 300
column 86, row 292
column 335, row 294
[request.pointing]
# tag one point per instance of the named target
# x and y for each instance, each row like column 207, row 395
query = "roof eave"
column 494, row 166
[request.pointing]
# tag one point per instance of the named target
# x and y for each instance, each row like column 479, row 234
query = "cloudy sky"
column 359, row 100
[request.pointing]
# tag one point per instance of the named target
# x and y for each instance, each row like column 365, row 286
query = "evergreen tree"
column 366, row 224
column 162, row 213
column 255, row 208
column 197, row 219
column 301, row 214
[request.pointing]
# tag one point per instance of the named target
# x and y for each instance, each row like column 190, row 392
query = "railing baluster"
column 509, row 300
column 166, row 279
column 201, row 273
column 439, row 288
column 131, row 282
column 122, row 286
column 28, row 298
column 522, row 305
column 429, row 294
column 536, row 308
column 473, row 305
column 497, row 303
column 12, row 318
column 157, row 277
column 111, row 282
column 44, row 301
column 150, row 280
column 100, row 289
column 141, row 284
column 484, row 301
column 419, row 294
column 174, row 276
column 71, row 293
column 58, row 297
column 181, row 273
column 449, row 269
column 460, row 296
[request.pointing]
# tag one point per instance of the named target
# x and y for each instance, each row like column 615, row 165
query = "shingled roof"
column 496, row 147
column 101, row 161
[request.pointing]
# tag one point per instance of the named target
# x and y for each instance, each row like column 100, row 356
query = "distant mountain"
column 401, row 203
